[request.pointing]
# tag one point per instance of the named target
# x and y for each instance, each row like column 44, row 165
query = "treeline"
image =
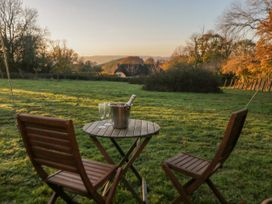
column 28, row 48
column 241, row 46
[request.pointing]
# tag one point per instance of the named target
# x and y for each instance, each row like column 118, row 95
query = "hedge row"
column 72, row 76
column 184, row 79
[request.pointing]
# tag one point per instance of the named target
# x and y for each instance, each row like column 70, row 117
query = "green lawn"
column 189, row 122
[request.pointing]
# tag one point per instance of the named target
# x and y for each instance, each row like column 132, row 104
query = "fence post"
column 255, row 84
column 270, row 87
column 263, row 85
column 246, row 85
column 259, row 84
column 251, row 85
column 236, row 83
column 267, row 85
column 225, row 83
column 241, row 86
column 231, row 83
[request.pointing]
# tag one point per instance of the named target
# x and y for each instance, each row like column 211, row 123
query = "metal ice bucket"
column 120, row 115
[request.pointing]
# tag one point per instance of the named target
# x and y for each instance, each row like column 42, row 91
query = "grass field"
column 189, row 122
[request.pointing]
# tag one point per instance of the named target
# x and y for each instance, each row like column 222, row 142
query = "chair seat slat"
column 188, row 164
column 183, row 160
column 195, row 164
column 69, row 179
column 200, row 166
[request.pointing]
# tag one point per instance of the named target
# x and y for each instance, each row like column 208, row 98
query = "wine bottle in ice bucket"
column 120, row 113
column 131, row 99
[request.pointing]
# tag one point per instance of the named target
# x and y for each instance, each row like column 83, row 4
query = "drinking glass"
column 102, row 113
column 108, row 114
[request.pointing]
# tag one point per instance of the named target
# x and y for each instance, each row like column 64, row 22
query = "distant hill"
column 102, row 59
column 110, row 67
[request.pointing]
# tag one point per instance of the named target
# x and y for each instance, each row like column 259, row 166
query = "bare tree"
column 16, row 23
column 63, row 58
column 5, row 61
column 243, row 19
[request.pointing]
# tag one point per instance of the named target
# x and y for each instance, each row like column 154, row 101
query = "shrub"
column 183, row 79
column 137, row 80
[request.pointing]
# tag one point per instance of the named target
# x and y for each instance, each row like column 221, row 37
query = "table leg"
column 110, row 160
column 125, row 157
column 137, row 151
column 102, row 150
column 144, row 191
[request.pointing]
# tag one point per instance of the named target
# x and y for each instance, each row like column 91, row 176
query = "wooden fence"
column 264, row 85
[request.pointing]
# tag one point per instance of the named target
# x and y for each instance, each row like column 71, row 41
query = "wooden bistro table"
column 140, row 132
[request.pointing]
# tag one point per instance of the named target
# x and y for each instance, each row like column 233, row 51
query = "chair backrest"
column 231, row 136
column 51, row 142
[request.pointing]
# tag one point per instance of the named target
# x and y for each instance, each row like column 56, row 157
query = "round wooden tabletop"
column 136, row 128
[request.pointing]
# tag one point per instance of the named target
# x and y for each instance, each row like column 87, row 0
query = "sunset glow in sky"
column 126, row 27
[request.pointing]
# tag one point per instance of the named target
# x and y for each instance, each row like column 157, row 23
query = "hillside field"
column 189, row 122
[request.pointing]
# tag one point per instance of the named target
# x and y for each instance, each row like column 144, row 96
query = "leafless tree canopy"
column 243, row 19
column 16, row 23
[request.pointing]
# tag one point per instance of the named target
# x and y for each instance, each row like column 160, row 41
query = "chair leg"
column 184, row 196
column 114, row 186
column 216, row 191
column 58, row 190
column 53, row 198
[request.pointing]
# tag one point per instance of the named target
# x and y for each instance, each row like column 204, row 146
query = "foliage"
column 207, row 50
column 182, row 78
column 88, row 66
column 252, row 18
column 189, row 123
column 242, row 60
column 62, row 58
column 175, row 59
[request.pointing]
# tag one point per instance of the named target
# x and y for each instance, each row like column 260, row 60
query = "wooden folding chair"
column 201, row 170
column 51, row 143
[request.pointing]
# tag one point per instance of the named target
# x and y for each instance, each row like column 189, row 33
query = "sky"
column 126, row 27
